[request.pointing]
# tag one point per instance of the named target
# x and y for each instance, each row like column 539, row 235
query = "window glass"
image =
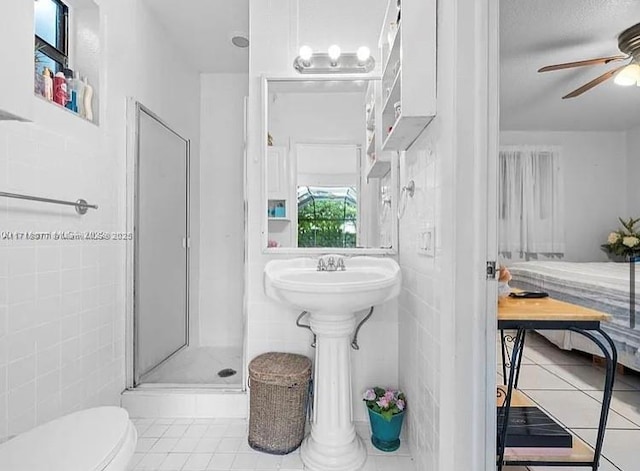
column 46, row 61
column 327, row 217
column 48, row 22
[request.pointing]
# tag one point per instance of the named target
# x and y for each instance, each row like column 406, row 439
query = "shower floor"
column 198, row 366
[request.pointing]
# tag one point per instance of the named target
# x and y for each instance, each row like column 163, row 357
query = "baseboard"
column 185, row 404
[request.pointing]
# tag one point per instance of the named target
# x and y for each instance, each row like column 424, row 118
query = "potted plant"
column 624, row 244
column 386, row 414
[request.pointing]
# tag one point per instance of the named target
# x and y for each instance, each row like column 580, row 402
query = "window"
column 531, row 207
column 327, row 217
column 51, row 38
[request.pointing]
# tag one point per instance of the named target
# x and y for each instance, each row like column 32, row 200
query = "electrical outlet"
column 427, row 242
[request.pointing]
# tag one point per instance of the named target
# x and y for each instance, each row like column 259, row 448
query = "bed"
column 603, row 286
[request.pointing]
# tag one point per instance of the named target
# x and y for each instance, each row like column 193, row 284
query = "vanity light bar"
column 334, row 62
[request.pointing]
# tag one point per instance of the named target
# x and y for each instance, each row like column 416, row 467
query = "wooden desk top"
column 545, row 309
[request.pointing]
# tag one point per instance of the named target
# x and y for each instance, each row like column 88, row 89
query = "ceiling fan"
column 627, row 74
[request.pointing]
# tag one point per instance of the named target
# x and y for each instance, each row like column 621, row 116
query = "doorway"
column 161, row 248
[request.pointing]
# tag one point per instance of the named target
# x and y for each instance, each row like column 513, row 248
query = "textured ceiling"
column 535, row 33
column 203, row 30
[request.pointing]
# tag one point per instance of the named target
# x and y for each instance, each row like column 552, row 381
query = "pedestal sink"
column 332, row 298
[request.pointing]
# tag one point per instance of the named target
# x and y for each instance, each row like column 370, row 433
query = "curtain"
column 531, row 212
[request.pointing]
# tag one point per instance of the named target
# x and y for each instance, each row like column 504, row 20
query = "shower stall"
column 167, row 348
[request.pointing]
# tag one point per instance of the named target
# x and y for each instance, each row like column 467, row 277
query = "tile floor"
column 569, row 387
column 221, row 444
column 198, row 366
column 565, row 384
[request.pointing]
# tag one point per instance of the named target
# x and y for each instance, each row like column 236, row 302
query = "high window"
column 51, row 35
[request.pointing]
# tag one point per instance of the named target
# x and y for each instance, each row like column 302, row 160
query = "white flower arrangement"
column 624, row 242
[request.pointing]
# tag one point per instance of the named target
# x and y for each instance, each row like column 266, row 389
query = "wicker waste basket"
column 279, row 384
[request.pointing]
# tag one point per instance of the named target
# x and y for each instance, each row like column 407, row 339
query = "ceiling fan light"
column 628, row 76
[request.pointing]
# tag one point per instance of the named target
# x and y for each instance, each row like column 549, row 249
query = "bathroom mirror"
column 321, row 189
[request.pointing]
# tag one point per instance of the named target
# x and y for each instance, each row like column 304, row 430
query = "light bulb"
column 305, row 53
column 334, row 52
column 630, row 75
column 363, row 53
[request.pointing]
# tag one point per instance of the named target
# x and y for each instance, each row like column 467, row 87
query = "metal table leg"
column 524, row 337
column 504, row 355
column 511, row 363
column 506, row 407
column 611, row 360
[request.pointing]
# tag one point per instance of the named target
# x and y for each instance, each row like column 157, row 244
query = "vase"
column 385, row 434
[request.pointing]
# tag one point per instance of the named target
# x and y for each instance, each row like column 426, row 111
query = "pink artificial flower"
column 401, row 405
column 389, row 395
column 369, row 395
column 383, row 402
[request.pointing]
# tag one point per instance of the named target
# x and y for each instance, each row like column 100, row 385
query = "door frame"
column 491, row 144
column 491, row 193
column 134, row 110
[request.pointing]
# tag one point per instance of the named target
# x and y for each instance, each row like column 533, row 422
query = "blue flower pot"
column 385, row 435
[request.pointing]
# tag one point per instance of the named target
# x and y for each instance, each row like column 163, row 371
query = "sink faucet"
column 331, row 263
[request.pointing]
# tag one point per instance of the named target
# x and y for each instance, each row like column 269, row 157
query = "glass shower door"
column 161, row 243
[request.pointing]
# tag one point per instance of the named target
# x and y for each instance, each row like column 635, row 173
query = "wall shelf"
column 409, row 72
column 393, row 57
column 371, row 147
column 377, row 164
column 379, row 169
column 405, row 131
column 394, row 95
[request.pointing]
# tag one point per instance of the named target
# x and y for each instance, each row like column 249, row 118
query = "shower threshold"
column 198, row 368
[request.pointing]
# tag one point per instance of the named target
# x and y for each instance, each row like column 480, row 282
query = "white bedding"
column 602, row 286
column 607, row 276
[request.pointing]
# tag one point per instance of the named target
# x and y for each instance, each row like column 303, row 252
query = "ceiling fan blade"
column 597, row 81
column 571, row 65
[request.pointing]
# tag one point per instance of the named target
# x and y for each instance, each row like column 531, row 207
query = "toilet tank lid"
column 83, row 441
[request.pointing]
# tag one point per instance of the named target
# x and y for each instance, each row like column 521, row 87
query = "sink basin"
column 367, row 281
column 332, row 298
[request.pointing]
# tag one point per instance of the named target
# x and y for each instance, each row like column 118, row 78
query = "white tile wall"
column 419, row 312
column 436, row 337
column 61, row 326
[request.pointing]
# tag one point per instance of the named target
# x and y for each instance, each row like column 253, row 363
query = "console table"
column 520, row 315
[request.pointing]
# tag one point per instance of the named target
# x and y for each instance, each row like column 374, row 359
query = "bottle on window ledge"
column 72, row 98
column 60, row 89
column 48, row 84
column 87, row 100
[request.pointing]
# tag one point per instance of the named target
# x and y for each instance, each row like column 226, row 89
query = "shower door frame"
column 134, row 108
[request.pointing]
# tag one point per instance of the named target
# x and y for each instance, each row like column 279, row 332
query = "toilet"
column 99, row 439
